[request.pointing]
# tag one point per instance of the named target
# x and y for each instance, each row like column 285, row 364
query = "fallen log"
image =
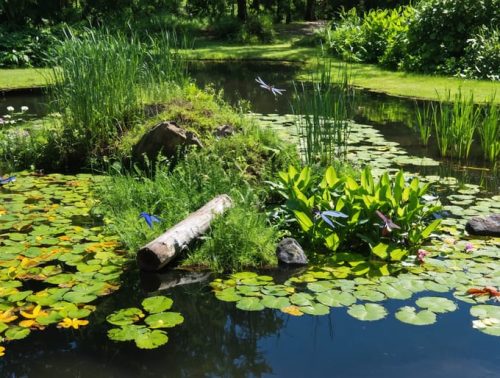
column 158, row 253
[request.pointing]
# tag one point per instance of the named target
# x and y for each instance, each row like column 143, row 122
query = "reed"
column 489, row 132
column 102, row 81
column 455, row 121
column 322, row 114
column 424, row 122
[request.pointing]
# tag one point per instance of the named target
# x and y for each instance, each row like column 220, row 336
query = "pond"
column 219, row 339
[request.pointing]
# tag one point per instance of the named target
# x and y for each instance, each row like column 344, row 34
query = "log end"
column 148, row 260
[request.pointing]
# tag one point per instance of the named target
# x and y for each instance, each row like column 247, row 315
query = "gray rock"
column 487, row 226
column 167, row 138
column 290, row 252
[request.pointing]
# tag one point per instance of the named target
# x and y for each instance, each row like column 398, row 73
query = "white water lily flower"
column 10, row 108
column 478, row 324
column 24, row 109
column 490, row 321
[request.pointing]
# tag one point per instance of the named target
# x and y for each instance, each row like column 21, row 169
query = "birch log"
column 167, row 246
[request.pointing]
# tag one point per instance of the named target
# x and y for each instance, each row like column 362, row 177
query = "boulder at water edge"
column 290, row 252
column 487, row 226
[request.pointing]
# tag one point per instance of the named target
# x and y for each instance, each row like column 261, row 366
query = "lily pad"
column 367, row 312
column 157, row 304
column 436, row 304
column 315, row 309
column 275, row 302
column 485, row 311
column 126, row 333
column 336, row 298
column 17, row 333
column 151, row 339
column 125, row 316
column 409, row 315
column 250, row 304
column 164, row 320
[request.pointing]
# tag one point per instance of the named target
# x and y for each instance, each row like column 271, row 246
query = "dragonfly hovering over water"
column 270, row 88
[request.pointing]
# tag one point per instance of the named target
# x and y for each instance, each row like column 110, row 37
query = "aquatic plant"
column 151, row 334
column 387, row 216
column 455, row 120
column 49, row 237
column 424, row 123
column 322, row 113
column 101, row 82
column 489, row 132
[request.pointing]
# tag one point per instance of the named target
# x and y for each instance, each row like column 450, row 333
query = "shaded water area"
column 219, row 340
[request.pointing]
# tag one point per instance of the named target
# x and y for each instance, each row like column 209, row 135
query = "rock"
column 488, row 226
column 167, row 138
column 290, row 252
column 224, row 131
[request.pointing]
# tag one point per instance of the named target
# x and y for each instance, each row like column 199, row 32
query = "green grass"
column 16, row 78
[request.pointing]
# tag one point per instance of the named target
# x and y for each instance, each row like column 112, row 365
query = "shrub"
column 227, row 28
column 438, row 34
column 482, row 55
column 259, row 28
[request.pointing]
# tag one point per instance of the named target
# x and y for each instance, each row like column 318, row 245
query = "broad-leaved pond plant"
column 388, row 217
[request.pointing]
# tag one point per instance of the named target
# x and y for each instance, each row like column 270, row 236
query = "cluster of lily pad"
column 54, row 260
column 149, row 334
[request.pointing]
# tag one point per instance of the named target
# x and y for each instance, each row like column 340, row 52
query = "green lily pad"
column 485, row 311
column 436, row 304
column 17, row 333
column 164, row 320
column 228, row 295
column 336, row 298
column 250, row 304
column 369, row 295
column 157, row 304
column 409, row 315
column 275, row 302
column 126, row 332
column 125, row 316
column 367, row 312
column 395, row 291
column 302, row 299
column 320, row 286
column 317, row 309
column 151, row 340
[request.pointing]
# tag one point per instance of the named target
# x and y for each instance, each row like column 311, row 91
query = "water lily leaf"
column 409, row 315
column 17, row 333
column 164, row 320
column 317, row 309
column 369, row 295
column 275, row 302
column 368, row 311
column 127, row 332
column 228, row 295
column 157, row 304
column 336, row 298
column 394, row 291
column 151, row 340
column 302, row 299
column 292, row 310
column 250, row 304
column 19, row 296
column 51, row 317
column 79, row 297
column 125, row 316
column 277, row 290
column 244, row 275
column 485, row 311
column 434, row 286
column 436, row 304
column 320, row 286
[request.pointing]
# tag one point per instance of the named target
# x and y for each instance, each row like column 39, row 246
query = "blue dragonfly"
column 4, row 181
column 326, row 215
column 150, row 219
column 270, row 88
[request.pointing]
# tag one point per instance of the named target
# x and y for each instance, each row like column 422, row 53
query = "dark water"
column 34, row 100
column 218, row 340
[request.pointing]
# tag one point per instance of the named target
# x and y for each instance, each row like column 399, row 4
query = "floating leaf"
column 125, row 316
column 157, row 304
column 408, row 314
column 228, row 295
column 436, row 304
column 302, row 299
column 320, row 286
column 485, row 311
column 336, row 298
column 151, row 339
column 275, row 302
column 164, row 320
column 17, row 333
column 292, row 310
column 315, row 309
column 126, row 333
column 250, row 304
column 368, row 311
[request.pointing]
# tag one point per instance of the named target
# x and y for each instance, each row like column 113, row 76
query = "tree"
column 310, row 10
column 242, row 10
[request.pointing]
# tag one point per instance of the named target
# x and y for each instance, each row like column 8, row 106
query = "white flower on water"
column 483, row 323
column 10, row 108
column 24, row 109
column 7, row 116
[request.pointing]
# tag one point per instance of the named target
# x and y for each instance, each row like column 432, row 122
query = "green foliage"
column 322, row 115
column 100, row 81
column 482, row 54
column 438, row 34
column 489, row 131
column 257, row 28
column 360, row 226
column 146, row 336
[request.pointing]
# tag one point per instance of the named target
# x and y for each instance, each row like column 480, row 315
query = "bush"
column 482, row 55
column 438, row 35
column 227, row 28
column 259, row 28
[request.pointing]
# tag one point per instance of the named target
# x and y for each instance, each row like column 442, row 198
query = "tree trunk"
column 242, row 10
column 310, row 10
column 256, row 5
column 177, row 239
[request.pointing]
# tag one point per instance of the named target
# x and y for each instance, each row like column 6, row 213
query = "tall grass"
column 323, row 113
column 424, row 124
column 101, row 81
column 455, row 121
column 489, row 132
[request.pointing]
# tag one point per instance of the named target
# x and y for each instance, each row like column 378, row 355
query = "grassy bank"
column 18, row 78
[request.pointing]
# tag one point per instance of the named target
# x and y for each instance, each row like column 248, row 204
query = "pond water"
column 218, row 339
